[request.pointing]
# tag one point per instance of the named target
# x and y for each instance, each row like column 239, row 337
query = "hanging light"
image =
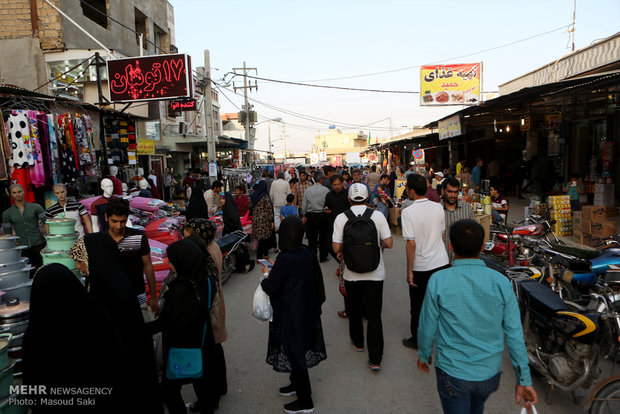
column 508, row 128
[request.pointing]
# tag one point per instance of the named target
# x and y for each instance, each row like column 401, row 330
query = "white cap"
column 358, row 192
column 439, row 173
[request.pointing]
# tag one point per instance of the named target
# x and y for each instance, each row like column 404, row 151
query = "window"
column 161, row 40
column 96, row 11
column 141, row 26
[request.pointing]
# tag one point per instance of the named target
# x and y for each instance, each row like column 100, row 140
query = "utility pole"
column 208, row 108
column 247, row 107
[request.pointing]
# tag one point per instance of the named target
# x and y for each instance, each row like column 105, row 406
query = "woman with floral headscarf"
column 262, row 220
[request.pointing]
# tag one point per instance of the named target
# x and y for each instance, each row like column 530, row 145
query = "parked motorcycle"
column 235, row 253
column 561, row 337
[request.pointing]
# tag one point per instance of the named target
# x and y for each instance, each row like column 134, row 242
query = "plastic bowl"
column 9, row 280
column 60, row 243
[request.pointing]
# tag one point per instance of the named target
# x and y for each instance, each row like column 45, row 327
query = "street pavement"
column 343, row 383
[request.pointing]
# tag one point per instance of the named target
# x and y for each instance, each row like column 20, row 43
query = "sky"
column 316, row 41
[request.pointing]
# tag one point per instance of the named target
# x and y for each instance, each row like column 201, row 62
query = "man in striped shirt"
column 70, row 209
column 454, row 210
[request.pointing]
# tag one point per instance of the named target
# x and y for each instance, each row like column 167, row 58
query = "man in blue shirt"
column 476, row 174
column 468, row 310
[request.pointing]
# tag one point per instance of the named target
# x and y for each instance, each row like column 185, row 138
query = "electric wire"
column 73, row 81
column 441, row 61
column 123, row 25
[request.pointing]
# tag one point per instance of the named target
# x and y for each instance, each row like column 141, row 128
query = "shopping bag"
column 261, row 307
column 532, row 410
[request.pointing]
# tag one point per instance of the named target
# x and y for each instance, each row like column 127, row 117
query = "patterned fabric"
column 78, row 251
column 462, row 211
column 262, row 219
column 205, row 229
column 19, row 139
column 37, row 172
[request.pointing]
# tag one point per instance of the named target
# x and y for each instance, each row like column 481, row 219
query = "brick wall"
column 16, row 23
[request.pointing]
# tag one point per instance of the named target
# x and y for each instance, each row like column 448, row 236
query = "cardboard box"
column 611, row 211
column 485, row 221
column 591, row 241
column 604, row 195
column 578, row 236
column 586, row 226
column 593, row 213
column 393, row 216
column 603, row 229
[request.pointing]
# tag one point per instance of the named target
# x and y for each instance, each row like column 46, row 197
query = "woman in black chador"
column 295, row 288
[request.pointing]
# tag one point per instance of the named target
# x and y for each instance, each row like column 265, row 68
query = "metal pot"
column 6, row 379
column 58, row 257
column 10, row 267
column 9, row 280
column 61, row 226
column 61, row 242
column 14, row 320
column 5, row 339
column 21, row 292
column 8, row 241
column 11, row 255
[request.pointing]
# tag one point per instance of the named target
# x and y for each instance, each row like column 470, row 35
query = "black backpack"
column 360, row 247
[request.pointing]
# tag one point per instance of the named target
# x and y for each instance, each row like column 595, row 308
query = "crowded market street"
column 343, row 383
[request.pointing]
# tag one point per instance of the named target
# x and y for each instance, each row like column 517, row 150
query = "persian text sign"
column 148, row 78
column 182, row 105
column 145, row 146
column 450, row 127
column 458, row 84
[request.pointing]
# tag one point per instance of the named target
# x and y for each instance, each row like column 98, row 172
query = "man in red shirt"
column 241, row 200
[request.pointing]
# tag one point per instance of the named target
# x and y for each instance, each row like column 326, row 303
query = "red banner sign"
column 149, row 78
column 182, row 105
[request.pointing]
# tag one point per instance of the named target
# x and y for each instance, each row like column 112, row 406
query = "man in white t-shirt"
column 423, row 225
column 364, row 290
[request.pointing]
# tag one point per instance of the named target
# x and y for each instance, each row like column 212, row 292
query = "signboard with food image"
column 458, row 84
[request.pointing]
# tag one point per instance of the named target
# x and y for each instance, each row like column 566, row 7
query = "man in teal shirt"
column 22, row 219
column 468, row 310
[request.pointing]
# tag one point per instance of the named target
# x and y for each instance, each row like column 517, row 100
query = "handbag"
column 186, row 363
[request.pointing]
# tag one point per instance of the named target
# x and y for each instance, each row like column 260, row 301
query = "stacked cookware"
column 61, row 237
column 15, row 287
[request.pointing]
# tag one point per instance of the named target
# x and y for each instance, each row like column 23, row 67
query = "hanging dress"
column 19, row 139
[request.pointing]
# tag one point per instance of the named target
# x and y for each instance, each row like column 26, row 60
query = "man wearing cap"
column 364, row 290
column 423, row 225
column 317, row 221
column 410, row 170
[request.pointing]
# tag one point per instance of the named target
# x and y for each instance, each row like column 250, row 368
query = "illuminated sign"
column 145, row 146
column 182, row 105
column 149, row 78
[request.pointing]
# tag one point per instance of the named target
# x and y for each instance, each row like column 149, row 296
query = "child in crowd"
column 289, row 209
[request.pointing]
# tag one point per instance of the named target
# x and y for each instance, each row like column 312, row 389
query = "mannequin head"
column 125, row 188
column 60, row 191
column 108, row 187
column 113, row 170
column 143, row 184
column 140, row 171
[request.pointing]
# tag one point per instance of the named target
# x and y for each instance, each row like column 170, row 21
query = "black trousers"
column 264, row 245
column 317, row 229
column 300, row 380
column 365, row 299
column 416, row 296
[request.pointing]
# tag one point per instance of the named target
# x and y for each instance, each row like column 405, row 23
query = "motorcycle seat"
column 227, row 241
column 540, row 298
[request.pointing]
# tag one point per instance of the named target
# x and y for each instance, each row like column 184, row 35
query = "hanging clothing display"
column 19, row 139
column 37, row 172
column 21, row 176
column 68, row 164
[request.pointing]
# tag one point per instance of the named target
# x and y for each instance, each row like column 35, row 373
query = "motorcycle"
column 235, row 253
column 561, row 337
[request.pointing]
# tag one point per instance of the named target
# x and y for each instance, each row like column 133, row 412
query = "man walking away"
column 423, row 228
column 373, row 178
column 476, row 174
column 314, row 217
column 359, row 236
column 279, row 190
column 468, row 311
column 454, row 210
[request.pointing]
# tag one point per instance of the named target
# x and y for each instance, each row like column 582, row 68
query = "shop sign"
column 553, row 121
column 336, row 161
column 352, row 157
column 322, row 156
column 458, row 84
column 372, row 157
column 400, row 187
column 145, row 146
column 314, row 158
column 212, row 169
column 181, row 105
column 450, row 127
column 146, row 78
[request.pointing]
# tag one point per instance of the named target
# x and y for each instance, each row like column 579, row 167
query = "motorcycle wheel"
column 228, row 267
column 608, row 344
column 606, row 399
column 567, row 291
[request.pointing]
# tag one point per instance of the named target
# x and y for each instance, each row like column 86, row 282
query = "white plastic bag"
column 531, row 411
column 261, row 307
